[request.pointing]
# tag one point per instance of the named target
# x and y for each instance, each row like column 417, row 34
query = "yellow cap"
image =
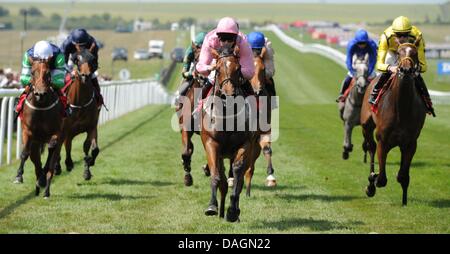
column 401, row 25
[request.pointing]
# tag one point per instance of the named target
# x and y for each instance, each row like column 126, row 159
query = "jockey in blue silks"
column 360, row 45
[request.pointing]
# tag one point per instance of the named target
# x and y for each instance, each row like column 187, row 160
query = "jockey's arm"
column 187, row 61
column 381, row 55
column 349, row 57
column 25, row 75
column 246, row 60
column 59, row 71
column 205, row 59
column 421, row 55
column 372, row 56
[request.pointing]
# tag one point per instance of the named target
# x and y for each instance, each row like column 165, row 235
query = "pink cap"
column 227, row 25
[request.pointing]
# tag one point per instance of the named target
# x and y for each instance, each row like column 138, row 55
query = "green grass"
column 255, row 12
column 138, row 179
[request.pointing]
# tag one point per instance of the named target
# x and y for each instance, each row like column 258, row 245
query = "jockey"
column 189, row 65
column 258, row 41
column 42, row 50
column 359, row 46
column 226, row 34
column 386, row 60
column 83, row 39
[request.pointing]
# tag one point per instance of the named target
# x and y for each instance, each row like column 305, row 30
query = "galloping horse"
column 258, row 84
column 350, row 109
column 398, row 122
column 186, row 123
column 41, row 124
column 85, row 113
column 220, row 144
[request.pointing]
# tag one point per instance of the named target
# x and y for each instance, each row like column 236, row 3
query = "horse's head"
column 408, row 60
column 85, row 61
column 228, row 70
column 40, row 78
column 259, row 77
column 361, row 66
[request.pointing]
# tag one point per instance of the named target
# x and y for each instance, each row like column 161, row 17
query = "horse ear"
column 263, row 52
column 77, row 47
column 236, row 50
column 92, row 47
column 214, row 53
column 417, row 41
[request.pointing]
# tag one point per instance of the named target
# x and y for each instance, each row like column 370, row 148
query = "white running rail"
column 337, row 56
column 121, row 97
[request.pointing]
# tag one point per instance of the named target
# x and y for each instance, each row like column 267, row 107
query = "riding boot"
column 344, row 87
column 182, row 92
column 423, row 90
column 66, row 111
column 98, row 95
column 377, row 87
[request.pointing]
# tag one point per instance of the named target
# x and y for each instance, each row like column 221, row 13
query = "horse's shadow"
column 319, row 197
column 440, row 203
column 277, row 188
column 313, row 224
column 122, row 181
column 108, row 196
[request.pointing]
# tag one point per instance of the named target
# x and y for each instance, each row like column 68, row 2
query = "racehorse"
column 85, row 113
column 399, row 119
column 350, row 109
column 41, row 124
column 219, row 143
column 186, row 121
column 258, row 83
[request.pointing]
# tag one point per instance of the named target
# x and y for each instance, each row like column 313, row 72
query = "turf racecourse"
column 138, row 178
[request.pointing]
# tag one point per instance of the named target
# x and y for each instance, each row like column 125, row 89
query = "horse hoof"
column 345, row 155
column 232, row 216
column 380, row 182
column 36, row 192
column 188, row 181
column 271, row 181
column 87, row 175
column 18, row 180
column 58, row 170
column 230, row 182
column 206, row 170
column 69, row 166
column 211, row 210
column 370, row 191
column 46, row 197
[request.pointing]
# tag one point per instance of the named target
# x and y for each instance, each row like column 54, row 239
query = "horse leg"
column 265, row 145
column 35, row 156
column 23, row 157
column 403, row 174
column 94, row 146
column 68, row 147
column 186, row 155
column 370, row 145
column 211, row 150
column 223, row 189
column 382, row 151
column 348, row 146
column 240, row 163
column 54, row 150
column 87, row 159
column 230, row 179
column 206, row 169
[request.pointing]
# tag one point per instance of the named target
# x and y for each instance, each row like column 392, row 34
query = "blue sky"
column 252, row 1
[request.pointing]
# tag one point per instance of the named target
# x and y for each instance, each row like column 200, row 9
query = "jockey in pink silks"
column 225, row 35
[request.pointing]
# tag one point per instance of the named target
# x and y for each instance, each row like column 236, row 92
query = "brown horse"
column 398, row 122
column 258, row 83
column 85, row 113
column 224, row 140
column 187, row 123
column 41, row 124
